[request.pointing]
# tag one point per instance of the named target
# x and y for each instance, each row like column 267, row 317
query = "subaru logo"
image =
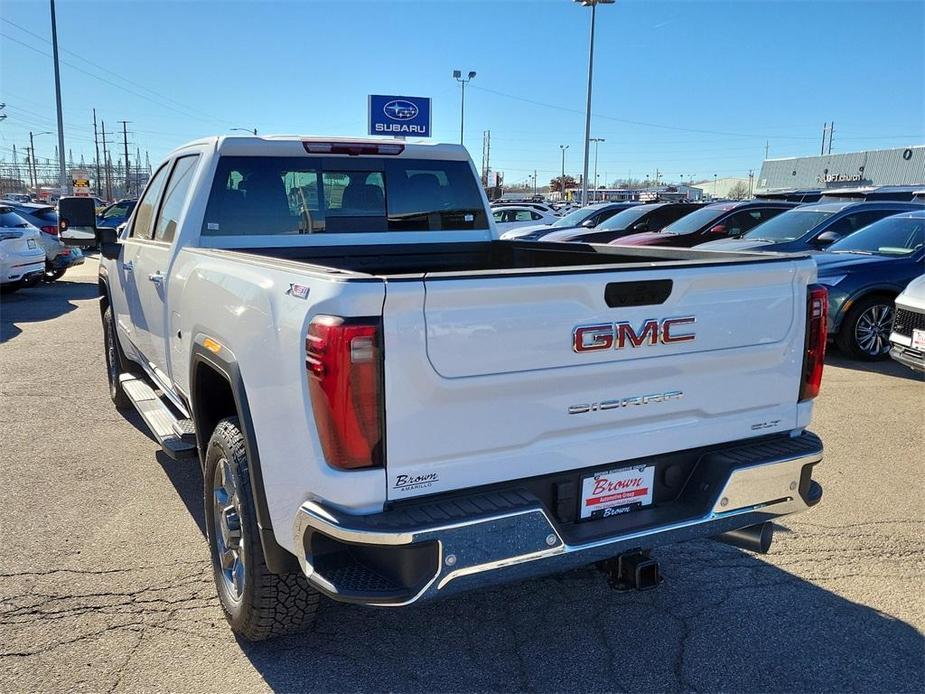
column 400, row 109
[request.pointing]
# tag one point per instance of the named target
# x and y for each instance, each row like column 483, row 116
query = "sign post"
column 399, row 116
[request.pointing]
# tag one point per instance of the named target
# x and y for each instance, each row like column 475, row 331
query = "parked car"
column 16, row 198
column 812, row 227
column 583, row 218
column 538, row 206
column 719, row 220
column 117, row 213
column 58, row 257
column 436, row 410
column 514, row 216
column 907, row 339
column 22, row 260
column 864, row 273
column 634, row 220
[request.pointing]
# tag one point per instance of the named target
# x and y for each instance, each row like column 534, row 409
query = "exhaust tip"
column 755, row 538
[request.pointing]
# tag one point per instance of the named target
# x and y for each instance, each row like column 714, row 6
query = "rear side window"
column 143, row 227
column 11, row 220
column 852, row 222
column 175, row 195
column 293, row 195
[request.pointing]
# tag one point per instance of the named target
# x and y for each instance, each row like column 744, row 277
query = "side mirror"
column 827, row 238
column 718, row 229
column 108, row 238
column 77, row 221
column 589, row 224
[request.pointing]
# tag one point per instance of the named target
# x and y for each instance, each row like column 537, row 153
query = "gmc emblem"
column 592, row 338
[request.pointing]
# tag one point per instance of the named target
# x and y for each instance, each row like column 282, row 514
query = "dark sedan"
column 721, row 220
column 864, row 274
column 812, row 227
column 651, row 217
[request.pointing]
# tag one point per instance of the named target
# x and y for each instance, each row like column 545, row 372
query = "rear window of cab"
column 290, row 195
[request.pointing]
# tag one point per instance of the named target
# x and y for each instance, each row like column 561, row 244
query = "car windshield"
column 624, row 219
column 288, row 195
column 890, row 236
column 790, row 225
column 695, row 221
column 574, row 219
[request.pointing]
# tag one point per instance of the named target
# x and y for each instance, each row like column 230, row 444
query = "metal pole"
column 562, row 184
column 35, row 175
column 825, row 127
column 534, row 182
column 584, row 178
column 462, row 111
column 96, row 159
column 831, row 132
column 128, row 165
column 62, row 173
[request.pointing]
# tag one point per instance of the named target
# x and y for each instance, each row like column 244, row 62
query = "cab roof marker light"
column 354, row 148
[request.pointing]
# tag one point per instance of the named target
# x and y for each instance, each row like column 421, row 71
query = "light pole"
column 35, row 173
column 596, row 141
column 584, row 179
column 62, row 173
column 457, row 74
column 714, row 185
column 562, row 184
column 246, row 130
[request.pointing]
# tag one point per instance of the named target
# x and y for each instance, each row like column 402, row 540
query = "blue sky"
column 693, row 88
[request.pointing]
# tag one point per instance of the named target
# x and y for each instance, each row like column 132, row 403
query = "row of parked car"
column 30, row 250
column 867, row 251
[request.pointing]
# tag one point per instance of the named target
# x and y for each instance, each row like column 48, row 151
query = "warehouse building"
column 902, row 166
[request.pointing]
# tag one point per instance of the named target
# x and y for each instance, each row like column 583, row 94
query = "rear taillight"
column 53, row 230
column 817, row 309
column 343, row 358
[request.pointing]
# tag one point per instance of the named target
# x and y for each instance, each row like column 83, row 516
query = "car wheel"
column 52, row 274
column 257, row 604
column 865, row 332
column 115, row 362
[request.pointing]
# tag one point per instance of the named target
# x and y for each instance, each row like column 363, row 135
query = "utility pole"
column 62, row 174
column 534, row 182
column 96, row 157
column 767, row 145
column 831, row 132
column 751, row 178
column 106, row 162
column 128, row 165
column 562, row 184
column 825, row 126
column 487, row 155
column 596, row 141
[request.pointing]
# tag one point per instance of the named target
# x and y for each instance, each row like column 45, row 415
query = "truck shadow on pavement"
column 40, row 303
column 723, row 620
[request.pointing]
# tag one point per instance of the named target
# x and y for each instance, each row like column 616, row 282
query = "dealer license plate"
column 918, row 340
column 613, row 492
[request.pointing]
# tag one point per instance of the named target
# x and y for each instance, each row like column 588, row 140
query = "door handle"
column 156, row 277
column 128, row 266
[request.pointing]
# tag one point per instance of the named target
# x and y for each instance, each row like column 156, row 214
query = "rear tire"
column 52, row 274
column 257, row 604
column 115, row 362
column 865, row 331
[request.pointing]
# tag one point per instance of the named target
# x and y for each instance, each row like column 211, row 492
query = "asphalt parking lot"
column 105, row 582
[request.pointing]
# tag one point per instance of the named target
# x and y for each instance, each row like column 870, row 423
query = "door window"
column 174, row 197
column 740, row 222
column 143, row 227
column 852, row 222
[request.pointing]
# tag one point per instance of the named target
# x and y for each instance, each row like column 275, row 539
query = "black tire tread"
column 279, row 604
column 118, row 395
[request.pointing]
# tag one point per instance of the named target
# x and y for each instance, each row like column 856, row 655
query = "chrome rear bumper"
column 461, row 542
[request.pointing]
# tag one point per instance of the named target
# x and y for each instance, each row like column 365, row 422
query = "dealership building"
column 903, row 166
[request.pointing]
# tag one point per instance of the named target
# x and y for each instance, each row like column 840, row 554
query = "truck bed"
column 388, row 260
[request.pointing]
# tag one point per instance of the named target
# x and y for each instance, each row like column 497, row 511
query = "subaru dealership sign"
column 399, row 116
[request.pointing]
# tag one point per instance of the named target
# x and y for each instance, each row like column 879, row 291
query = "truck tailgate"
column 484, row 381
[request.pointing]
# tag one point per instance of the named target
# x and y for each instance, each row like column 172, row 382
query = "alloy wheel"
column 872, row 331
column 226, row 516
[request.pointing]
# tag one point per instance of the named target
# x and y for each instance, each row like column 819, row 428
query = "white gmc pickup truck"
column 389, row 404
